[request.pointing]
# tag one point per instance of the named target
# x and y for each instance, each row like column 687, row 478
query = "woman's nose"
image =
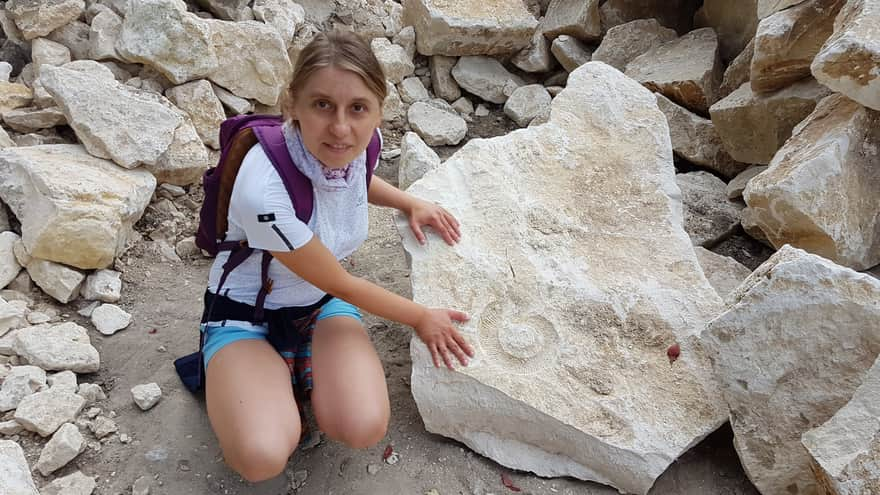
column 339, row 126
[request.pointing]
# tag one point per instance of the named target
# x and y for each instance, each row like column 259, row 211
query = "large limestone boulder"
column 623, row 43
column 735, row 21
column 577, row 18
column 754, row 126
column 163, row 35
column 39, row 18
column 57, row 347
column 15, row 474
column 846, row 448
column 469, row 27
column 74, row 208
column 822, row 190
column 686, row 70
column 198, row 100
column 789, row 351
column 573, row 304
column 848, row 61
column 787, row 41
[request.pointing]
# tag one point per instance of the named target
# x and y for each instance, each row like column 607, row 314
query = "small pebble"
column 373, row 468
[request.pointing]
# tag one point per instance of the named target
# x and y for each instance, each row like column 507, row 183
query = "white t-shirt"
column 260, row 210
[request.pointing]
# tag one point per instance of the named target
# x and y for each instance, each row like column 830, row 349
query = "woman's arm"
column 315, row 264
column 419, row 211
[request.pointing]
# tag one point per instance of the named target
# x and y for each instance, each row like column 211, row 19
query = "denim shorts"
column 219, row 336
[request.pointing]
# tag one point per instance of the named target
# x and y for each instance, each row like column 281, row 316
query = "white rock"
column 110, row 318
column 75, row 36
column 412, row 90
column 9, row 266
column 229, row 10
column 36, row 19
column 709, row 216
column 235, row 104
column 442, row 82
column 396, row 63
column 91, row 392
column 463, row 106
column 436, row 126
column 63, row 381
column 393, row 109
column 723, row 272
column 536, row 57
column 45, row 412
column 481, row 110
column 62, row 448
column 199, row 101
column 75, row 483
column 11, row 427
column 484, row 77
column 102, row 285
column 601, row 408
column 34, row 119
column 146, row 396
column 407, row 39
column 57, row 347
column 47, row 52
column 13, row 315
column 416, row 159
column 5, row 71
column 285, row 16
column 526, row 103
column 5, row 140
column 737, row 185
column 57, row 280
column 74, row 208
column 104, row 32
column 19, row 383
column 789, row 351
column 15, row 474
column 570, row 52
column 576, row 18
column 623, row 43
column 103, row 426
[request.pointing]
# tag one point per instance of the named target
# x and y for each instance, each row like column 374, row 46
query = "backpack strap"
column 373, row 150
column 298, row 186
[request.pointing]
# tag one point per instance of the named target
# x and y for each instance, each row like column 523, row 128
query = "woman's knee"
column 359, row 429
column 259, row 459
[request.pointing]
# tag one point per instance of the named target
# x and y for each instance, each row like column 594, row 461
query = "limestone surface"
column 623, row 43
column 709, row 217
column 64, row 445
column 39, row 18
column 536, row 57
column 675, row 14
column 723, row 272
column 416, row 159
column 59, row 281
column 789, row 351
column 737, row 185
column 739, row 71
column 526, row 103
column 396, row 63
column 735, row 21
column 57, row 347
column 849, row 61
column 821, row 192
column 198, row 100
column 570, row 52
column 442, row 82
column 15, row 474
column 484, row 77
column 45, row 412
column 469, row 27
column 75, row 483
column 577, row 18
column 769, row 7
column 74, row 208
column 572, row 297
column 437, row 126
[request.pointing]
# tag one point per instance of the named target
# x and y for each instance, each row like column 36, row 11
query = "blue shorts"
column 218, row 336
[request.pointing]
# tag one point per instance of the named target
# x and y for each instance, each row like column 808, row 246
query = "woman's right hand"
column 437, row 330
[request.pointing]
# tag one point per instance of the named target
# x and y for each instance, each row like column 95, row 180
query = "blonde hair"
column 340, row 49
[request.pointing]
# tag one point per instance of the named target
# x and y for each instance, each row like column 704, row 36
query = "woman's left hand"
column 424, row 213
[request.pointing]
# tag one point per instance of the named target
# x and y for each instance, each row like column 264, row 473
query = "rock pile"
column 585, row 255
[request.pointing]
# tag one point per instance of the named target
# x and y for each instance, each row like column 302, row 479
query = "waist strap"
column 219, row 307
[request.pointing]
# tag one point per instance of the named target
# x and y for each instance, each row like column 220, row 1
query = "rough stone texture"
column 57, row 280
column 19, row 383
column 64, row 445
column 526, row 103
column 407, row 39
column 75, row 36
column 541, row 394
column 235, row 104
column 199, row 101
column 57, row 347
column 393, row 109
column 146, row 396
column 39, row 18
column 696, row 140
column 822, row 190
column 767, row 8
column 469, row 27
column 845, row 449
column 104, row 32
column 396, row 63
column 789, row 351
column 536, row 57
column 9, row 266
column 787, row 41
column 110, row 318
column 254, row 59
column 849, row 61
column 442, row 82
column 623, row 43
column 436, row 126
column 15, row 474
column 229, row 10
column 47, row 52
column 5, row 140
column 412, row 90
column 416, row 159
column 753, row 127
column 14, row 95
column 688, row 70
column 102, row 285
column 74, row 208
column 570, row 52
column 45, row 412
column 162, row 34
column 63, row 381
column 285, row 16
column 484, row 77
column 737, row 185
column 738, row 71
column 723, row 272
column 675, row 14
column 75, row 483
column 709, row 217
column 735, row 21
column 577, row 18
column 33, row 119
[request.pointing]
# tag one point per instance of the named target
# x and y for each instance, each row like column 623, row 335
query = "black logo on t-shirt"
column 266, row 217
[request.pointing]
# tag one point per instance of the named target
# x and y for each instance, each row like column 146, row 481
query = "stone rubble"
column 146, row 396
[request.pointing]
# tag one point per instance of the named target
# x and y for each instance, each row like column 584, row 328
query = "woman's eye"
column 357, row 107
column 323, row 105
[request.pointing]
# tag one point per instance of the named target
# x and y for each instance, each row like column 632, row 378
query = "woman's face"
column 337, row 114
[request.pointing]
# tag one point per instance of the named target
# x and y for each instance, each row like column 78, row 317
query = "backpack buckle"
column 268, row 285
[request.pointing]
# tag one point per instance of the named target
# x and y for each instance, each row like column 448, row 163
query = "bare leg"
column 350, row 397
column 252, row 409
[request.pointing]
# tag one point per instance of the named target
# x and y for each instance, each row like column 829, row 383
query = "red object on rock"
column 505, row 480
column 673, row 352
column 388, row 451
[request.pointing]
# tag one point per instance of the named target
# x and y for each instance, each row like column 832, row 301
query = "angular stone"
column 792, row 346
column 12, row 315
column 767, row 8
column 687, row 70
column 254, row 60
column 787, row 41
column 75, row 483
column 104, row 33
column 33, row 119
column 102, row 285
column 57, row 347
column 57, row 280
column 91, row 392
column 753, row 127
column 47, row 52
column 15, row 474
column 709, row 217
column 146, row 395
column 235, row 104
column 592, row 414
column 723, row 272
column 285, row 16
column 735, row 22
column 484, row 77
column 526, row 103
column 463, row 106
column 416, row 160
column 469, row 27
column 737, row 185
column 675, row 14
column 19, row 383
column 14, row 95
column 103, row 426
column 436, row 126
column 9, row 266
column 110, row 318
column 39, row 18
column 576, row 18
column 738, row 71
column 5, row 140
column 407, row 39
column 74, row 208
column 199, row 101
column 63, row 381
column 696, row 140
column 229, row 10
column 185, row 160
column 846, row 448
column 821, row 192
column 849, row 61
column 75, row 36
column 396, row 63
column 536, row 57
column 570, row 52
column 62, row 448
column 442, row 82
column 412, row 90
column 164, row 35
column 623, row 43
column 45, row 412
